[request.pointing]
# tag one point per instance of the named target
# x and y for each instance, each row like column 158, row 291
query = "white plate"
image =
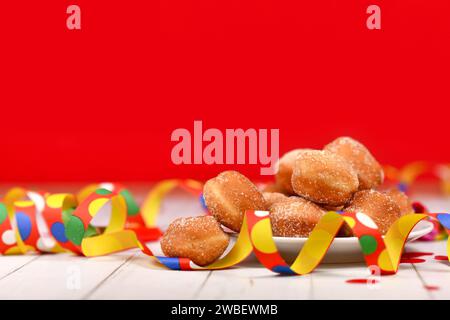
column 342, row 250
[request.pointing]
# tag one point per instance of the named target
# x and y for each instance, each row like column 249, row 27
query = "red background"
column 101, row 103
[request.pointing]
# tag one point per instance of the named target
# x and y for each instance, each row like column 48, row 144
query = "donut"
column 229, row 195
column 200, row 239
column 285, row 169
column 273, row 187
column 370, row 173
column 294, row 217
column 379, row 206
column 331, row 208
column 273, row 197
column 324, row 177
column 402, row 200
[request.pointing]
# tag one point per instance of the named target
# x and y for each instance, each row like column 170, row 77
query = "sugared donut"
column 370, row 173
column 379, row 206
column 402, row 200
column 273, row 187
column 229, row 195
column 331, row 208
column 285, row 169
column 324, row 177
column 294, row 217
column 273, row 197
column 200, row 239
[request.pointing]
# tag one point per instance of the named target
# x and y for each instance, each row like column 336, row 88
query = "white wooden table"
column 132, row 275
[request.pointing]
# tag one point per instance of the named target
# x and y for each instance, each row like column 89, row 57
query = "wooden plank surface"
column 434, row 274
column 59, row 276
column 134, row 276
column 142, row 278
column 330, row 282
column 251, row 281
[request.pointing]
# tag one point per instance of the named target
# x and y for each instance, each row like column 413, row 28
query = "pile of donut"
column 342, row 176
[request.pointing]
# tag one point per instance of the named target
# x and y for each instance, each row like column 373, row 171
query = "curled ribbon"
column 256, row 229
column 101, row 219
column 443, row 172
column 405, row 176
column 152, row 204
column 56, row 223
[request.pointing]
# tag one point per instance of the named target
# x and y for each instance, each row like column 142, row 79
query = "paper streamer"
column 143, row 220
column 56, row 223
column 438, row 232
column 443, row 172
column 101, row 219
column 135, row 219
column 42, row 222
column 152, row 204
column 404, row 177
column 382, row 253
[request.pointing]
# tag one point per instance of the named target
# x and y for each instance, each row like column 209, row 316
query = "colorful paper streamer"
column 443, row 173
column 384, row 253
column 405, row 176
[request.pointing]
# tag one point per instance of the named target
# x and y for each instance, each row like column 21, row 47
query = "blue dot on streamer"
column 202, row 202
column 444, row 219
column 403, row 187
column 58, row 232
column 283, row 270
column 24, row 225
column 171, row 263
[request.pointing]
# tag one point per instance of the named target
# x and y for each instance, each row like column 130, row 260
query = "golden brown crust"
column 370, row 173
column 285, row 170
column 379, row 206
column 402, row 200
column 273, row 197
column 324, row 177
column 331, row 208
column 229, row 195
column 294, row 217
column 200, row 239
column 273, row 187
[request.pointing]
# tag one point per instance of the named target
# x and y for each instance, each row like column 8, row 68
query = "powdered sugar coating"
column 200, row 239
column 229, row 195
column 273, row 197
column 294, row 217
column 324, row 177
column 285, row 169
column 402, row 200
column 370, row 173
column 379, row 206
column 272, row 187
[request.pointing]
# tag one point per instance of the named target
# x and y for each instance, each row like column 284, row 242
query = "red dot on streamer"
column 441, row 258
